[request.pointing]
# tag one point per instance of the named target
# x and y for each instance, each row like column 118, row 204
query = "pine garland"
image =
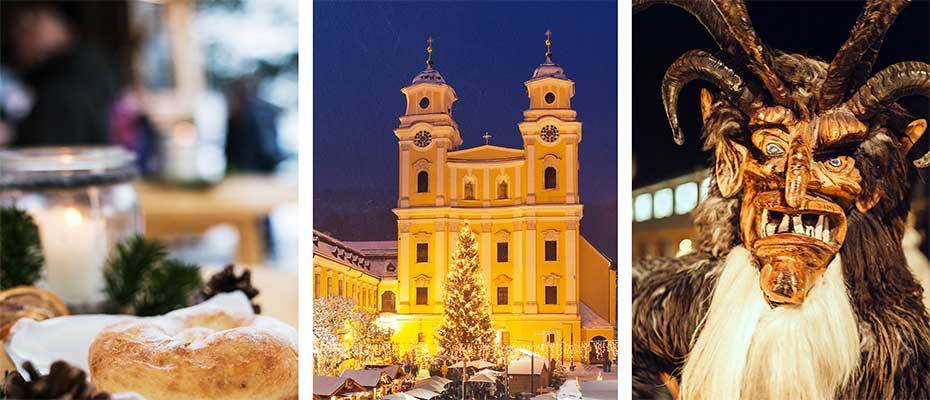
column 466, row 331
column 141, row 281
column 21, row 257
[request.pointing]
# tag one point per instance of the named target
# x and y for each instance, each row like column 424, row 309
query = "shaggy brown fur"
column 672, row 296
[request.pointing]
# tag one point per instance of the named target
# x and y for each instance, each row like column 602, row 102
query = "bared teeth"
column 809, row 231
column 818, row 231
column 785, row 224
column 770, row 229
column 826, row 231
column 798, row 224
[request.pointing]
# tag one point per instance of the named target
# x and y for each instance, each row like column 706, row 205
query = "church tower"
column 426, row 133
column 551, row 133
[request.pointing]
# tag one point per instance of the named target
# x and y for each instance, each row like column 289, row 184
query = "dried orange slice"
column 27, row 302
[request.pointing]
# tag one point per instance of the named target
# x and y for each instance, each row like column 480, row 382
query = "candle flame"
column 73, row 216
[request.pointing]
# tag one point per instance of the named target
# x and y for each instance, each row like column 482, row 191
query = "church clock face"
column 549, row 133
column 424, row 102
column 422, row 139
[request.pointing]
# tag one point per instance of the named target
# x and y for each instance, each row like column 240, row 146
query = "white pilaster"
column 440, row 174
column 570, row 172
column 486, row 254
column 571, row 268
column 486, row 188
column 530, row 172
column 404, row 175
column 403, row 268
column 453, row 185
column 531, row 307
column 518, row 238
column 440, row 258
column 518, row 190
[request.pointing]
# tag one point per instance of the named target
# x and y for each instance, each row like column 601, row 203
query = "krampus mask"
column 792, row 136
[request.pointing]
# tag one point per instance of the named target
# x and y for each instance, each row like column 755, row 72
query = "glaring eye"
column 773, row 150
column 835, row 162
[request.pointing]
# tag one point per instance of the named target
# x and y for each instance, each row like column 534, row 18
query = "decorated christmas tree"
column 466, row 331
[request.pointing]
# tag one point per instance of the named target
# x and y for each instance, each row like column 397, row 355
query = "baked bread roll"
column 205, row 355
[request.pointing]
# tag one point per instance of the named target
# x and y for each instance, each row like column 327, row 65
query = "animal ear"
column 865, row 203
column 730, row 159
column 707, row 101
column 912, row 134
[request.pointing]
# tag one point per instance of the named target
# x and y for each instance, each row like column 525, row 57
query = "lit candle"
column 75, row 249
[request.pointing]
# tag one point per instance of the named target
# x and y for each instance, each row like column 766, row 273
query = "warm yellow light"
column 73, row 216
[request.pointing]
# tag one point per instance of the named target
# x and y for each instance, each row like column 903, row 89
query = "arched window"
column 469, row 190
column 549, row 177
column 422, row 182
column 502, row 190
column 387, row 301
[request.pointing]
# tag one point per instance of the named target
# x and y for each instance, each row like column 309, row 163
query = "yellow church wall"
column 524, row 331
column 599, row 282
column 386, row 285
column 537, row 89
column 332, row 278
column 422, row 159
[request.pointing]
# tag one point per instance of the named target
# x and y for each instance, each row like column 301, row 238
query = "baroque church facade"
column 544, row 281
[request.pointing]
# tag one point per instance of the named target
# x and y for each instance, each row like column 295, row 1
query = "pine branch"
column 21, row 257
column 140, row 280
column 166, row 288
column 125, row 270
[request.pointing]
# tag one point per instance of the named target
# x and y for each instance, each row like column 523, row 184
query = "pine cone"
column 62, row 382
column 226, row 281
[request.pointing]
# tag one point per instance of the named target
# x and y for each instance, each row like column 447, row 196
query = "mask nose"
column 797, row 172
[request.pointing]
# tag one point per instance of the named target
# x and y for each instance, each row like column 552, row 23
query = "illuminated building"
column 545, row 282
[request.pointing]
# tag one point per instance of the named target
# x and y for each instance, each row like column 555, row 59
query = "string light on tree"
column 466, row 331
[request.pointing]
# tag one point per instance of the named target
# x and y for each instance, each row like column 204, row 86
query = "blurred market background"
column 203, row 92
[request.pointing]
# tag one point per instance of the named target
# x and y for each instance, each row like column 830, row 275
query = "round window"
column 422, row 138
column 424, row 102
column 549, row 133
column 550, row 98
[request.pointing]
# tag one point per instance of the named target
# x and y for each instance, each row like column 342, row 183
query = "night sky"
column 663, row 33
column 364, row 53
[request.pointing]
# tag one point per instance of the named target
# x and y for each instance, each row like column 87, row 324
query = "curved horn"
column 882, row 90
column 699, row 64
column 728, row 22
column 854, row 59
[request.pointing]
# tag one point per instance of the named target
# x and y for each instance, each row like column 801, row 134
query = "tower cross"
column 487, row 138
column 429, row 51
column 548, row 46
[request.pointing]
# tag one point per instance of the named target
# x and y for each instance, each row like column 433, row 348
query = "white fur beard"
column 747, row 350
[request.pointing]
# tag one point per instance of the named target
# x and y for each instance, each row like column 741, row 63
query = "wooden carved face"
column 798, row 180
column 786, row 130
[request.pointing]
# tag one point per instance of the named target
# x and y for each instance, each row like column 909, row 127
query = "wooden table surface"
column 241, row 200
column 277, row 296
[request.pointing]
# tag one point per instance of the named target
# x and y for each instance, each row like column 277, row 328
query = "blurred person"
column 73, row 88
column 252, row 131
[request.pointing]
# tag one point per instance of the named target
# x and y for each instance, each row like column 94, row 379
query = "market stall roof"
column 431, row 385
column 330, row 385
column 394, row 371
column 521, row 366
column 368, row 378
column 439, row 379
column 598, row 390
column 421, row 393
column 482, row 378
column 477, row 364
column 490, row 372
column 399, row 396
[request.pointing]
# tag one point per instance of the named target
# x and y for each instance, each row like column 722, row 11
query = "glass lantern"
column 84, row 203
